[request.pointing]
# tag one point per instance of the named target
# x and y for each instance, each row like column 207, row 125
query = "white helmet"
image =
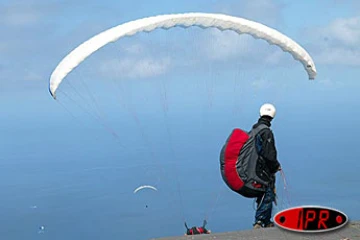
column 268, row 110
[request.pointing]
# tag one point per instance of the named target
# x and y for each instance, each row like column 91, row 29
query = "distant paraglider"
column 145, row 187
column 41, row 229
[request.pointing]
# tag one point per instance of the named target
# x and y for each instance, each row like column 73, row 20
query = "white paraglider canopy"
column 145, row 187
column 203, row 20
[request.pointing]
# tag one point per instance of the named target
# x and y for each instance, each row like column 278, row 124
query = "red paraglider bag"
column 229, row 157
column 238, row 163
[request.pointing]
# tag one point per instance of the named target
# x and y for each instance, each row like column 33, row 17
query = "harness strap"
column 204, row 223
column 187, row 228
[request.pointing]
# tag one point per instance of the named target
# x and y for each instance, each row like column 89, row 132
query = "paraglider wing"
column 203, row 20
column 143, row 187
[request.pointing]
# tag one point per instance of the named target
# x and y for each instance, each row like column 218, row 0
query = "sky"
column 155, row 108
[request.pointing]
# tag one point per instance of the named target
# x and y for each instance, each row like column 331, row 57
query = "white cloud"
column 338, row 55
column 267, row 12
column 33, row 76
column 20, row 15
column 134, row 49
column 135, row 67
column 274, row 57
column 354, row 5
column 338, row 42
column 328, row 83
column 260, row 83
column 219, row 46
column 135, row 60
column 343, row 31
column 223, row 45
column 226, row 45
